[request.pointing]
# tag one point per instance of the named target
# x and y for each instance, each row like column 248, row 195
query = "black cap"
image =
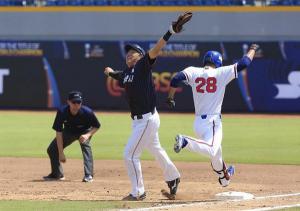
column 135, row 47
column 75, row 96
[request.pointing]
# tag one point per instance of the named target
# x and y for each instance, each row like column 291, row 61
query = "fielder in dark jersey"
column 72, row 122
column 140, row 93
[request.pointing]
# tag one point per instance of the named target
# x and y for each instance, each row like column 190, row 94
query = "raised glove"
column 176, row 26
column 171, row 102
column 254, row 47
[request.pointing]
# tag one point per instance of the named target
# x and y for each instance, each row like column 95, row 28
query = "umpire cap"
column 135, row 47
column 75, row 96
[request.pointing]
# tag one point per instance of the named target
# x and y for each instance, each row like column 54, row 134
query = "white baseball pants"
column 209, row 138
column 145, row 136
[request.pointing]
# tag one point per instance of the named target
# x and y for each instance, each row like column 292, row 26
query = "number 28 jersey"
column 208, row 85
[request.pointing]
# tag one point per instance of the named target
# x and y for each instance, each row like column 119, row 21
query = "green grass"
column 273, row 140
column 16, row 205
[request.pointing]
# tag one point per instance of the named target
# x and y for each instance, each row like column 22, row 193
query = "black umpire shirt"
column 78, row 124
column 139, row 86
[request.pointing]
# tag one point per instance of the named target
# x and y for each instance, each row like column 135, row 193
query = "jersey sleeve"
column 94, row 121
column 145, row 64
column 58, row 122
column 228, row 73
column 189, row 75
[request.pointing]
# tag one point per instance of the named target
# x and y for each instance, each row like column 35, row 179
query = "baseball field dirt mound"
column 21, row 179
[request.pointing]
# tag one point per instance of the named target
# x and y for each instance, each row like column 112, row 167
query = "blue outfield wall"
column 39, row 74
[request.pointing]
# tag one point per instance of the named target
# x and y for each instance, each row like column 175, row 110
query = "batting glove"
column 170, row 102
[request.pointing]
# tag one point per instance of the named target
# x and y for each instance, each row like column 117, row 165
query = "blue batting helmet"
column 213, row 57
column 135, row 47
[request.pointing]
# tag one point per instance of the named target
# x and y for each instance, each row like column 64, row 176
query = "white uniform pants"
column 209, row 138
column 145, row 136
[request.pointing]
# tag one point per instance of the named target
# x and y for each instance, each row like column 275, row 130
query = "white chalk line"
column 274, row 208
column 211, row 202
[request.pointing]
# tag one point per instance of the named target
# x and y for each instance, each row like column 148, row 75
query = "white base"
column 233, row 195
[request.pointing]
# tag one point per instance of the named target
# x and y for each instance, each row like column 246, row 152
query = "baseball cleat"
column 52, row 177
column 178, row 143
column 231, row 170
column 173, row 185
column 88, row 178
column 130, row 197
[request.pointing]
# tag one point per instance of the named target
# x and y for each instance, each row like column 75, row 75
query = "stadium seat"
column 51, row 3
column 154, row 2
column 196, row 2
column 87, row 3
column 297, row 2
column 236, row 2
column 274, row 3
column 3, row 3
column 128, row 3
column 182, row 2
column 101, row 2
column 248, row 2
column 210, row 3
column 61, row 2
column 224, row 3
column 167, row 3
column 141, row 3
column 287, row 2
column 74, row 3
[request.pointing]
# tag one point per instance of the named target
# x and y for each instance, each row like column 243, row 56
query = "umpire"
column 73, row 121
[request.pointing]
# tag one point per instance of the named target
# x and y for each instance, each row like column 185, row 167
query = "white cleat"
column 178, row 143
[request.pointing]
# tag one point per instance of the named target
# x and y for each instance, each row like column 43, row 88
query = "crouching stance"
column 73, row 121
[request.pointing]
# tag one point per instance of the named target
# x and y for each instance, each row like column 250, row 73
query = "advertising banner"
column 39, row 74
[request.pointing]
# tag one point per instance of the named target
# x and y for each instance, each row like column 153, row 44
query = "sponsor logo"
column 3, row 72
column 290, row 90
column 93, row 51
column 182, row 50
column 161, row 81
column 20, row 49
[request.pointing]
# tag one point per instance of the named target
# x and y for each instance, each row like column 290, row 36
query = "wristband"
column 167, row 36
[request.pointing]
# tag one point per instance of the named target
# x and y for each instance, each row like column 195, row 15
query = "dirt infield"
column 21, row 179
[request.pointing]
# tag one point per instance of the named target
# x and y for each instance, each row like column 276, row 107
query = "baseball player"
column 208, row 85
column 140, row 92
column 73, row 121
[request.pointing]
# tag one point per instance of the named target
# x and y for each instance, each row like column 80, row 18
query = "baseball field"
column 265, row 150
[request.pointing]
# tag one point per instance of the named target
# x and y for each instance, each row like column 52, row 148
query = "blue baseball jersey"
column 78, row 124
column 139, row 86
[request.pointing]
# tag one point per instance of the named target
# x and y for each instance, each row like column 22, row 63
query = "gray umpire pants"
column 69, row 138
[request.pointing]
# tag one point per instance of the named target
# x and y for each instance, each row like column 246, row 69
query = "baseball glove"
column 182, row 19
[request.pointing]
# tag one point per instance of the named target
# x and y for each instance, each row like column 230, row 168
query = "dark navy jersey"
column 139, row 86
column 78, row 124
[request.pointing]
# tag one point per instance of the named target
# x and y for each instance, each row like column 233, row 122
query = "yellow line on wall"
column 239, row 9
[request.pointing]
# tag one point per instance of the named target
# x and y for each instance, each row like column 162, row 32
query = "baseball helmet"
column 213, row 57
column 135, row 47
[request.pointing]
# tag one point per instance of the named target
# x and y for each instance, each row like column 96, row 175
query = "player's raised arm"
column 176, row 27
column 247, row 59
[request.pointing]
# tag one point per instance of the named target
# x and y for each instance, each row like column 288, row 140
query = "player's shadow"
column 42, row 180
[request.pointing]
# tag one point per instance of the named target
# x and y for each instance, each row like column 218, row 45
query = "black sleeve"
column 94, row 121
column 115, row 74
column 58, row 122
column 146, row 62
